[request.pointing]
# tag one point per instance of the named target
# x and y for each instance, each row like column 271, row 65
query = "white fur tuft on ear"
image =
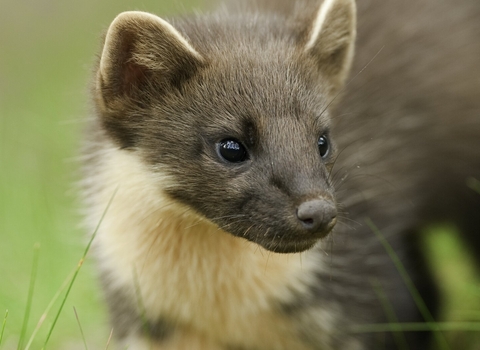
column 319, row 22
column 331, row 39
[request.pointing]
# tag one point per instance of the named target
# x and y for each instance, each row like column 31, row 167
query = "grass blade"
column 47, row 310
column 398, row 335
column 109, row 339
column 81, row 330
column 474, row 184
column 417, row 327
column 422, row 307
column 3, row 325
column 79, row 266
column 31, row 288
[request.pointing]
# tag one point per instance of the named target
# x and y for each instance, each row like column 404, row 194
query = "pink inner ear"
column 130, row 74
column 133, row 76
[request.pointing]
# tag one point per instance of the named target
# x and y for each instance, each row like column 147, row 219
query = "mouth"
column 290, row 247
column 285, row 239
column 288, row 244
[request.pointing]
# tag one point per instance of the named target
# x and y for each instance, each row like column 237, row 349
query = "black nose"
column 317, row 215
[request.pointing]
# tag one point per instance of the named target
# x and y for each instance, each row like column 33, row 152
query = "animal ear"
column 143, row 52
column 330, row 40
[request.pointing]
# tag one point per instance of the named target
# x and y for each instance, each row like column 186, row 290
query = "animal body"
column 244, row 151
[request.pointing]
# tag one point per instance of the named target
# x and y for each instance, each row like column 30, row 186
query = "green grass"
column 31, row 289
column 46, row 53
column 459, row 285
column 419, row 302
column 4, row 323
column 458, row 326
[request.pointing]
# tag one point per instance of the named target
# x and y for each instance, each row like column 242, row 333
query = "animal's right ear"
column 142, row 52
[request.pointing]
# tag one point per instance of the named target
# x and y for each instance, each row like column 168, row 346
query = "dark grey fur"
column 407, row 135
column 127, row 319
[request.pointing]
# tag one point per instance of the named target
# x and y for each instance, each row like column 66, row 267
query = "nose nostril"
column 307, row 222
column 316, row 214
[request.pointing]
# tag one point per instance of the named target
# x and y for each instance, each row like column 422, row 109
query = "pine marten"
column 243, row 151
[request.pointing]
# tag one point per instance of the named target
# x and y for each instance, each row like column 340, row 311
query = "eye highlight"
column 323, row 146
column 232, row 151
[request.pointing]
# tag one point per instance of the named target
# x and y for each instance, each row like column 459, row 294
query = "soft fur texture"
column 196, row 252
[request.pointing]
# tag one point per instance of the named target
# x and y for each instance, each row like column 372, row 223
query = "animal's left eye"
column 323, row 146
column 232, row 151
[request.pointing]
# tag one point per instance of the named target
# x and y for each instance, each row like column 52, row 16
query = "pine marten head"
column 236, row 115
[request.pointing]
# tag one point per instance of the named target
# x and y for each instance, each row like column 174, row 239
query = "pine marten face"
column 244, row 137
column 254, row 162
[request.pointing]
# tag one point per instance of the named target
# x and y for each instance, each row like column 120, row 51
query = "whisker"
column 351, row 80
column 266, row 263
column 350, row 227
column 246, row 231
column 154, row 211
column 226, row 226
column 218, row 218
column 349, row 219
column 339, row 154
column 266, row 232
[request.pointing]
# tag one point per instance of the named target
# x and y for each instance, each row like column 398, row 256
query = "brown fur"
column 190, row 251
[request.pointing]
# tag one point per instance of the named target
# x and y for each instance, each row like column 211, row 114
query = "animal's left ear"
column 330, row 40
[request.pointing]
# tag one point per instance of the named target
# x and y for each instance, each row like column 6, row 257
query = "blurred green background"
column 46, row 52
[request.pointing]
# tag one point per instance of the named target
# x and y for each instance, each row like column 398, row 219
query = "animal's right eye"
column 232, row 151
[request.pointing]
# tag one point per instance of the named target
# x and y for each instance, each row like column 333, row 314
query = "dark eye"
column 232, row 151
column 323, row 146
